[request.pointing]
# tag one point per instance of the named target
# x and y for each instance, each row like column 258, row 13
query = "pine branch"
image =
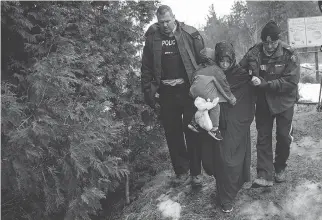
column 24, row 121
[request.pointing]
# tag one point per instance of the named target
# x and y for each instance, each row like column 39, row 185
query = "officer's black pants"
column 264, row 125
column 177, row 110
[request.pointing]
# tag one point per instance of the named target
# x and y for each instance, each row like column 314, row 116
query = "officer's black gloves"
column 264, row 83
column 153, row 103
column 149, row 100
column 156, row 109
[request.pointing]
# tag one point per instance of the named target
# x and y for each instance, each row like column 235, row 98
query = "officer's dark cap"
column 270, row 29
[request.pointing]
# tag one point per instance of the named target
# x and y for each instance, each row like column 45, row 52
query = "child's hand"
column 211, row 104
column 233, row 101
column 215, row 101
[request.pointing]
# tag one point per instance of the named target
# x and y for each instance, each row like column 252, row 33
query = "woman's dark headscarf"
column 223, row 49
column 236, row 76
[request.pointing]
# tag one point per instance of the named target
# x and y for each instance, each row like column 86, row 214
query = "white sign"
column 313, row 31
column 305, row 32
column 296, row 32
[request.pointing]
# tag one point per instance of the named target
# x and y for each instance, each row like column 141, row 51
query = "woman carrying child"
column 210, row 83
column 229, row 159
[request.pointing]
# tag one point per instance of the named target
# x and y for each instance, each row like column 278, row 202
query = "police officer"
column 170, row 55
column 277, row 93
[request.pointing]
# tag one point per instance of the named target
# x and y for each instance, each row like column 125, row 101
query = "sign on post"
column 313, row 31
column 305, row 32
column 296, row 32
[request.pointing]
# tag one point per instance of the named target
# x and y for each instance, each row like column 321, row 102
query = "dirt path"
column 300, row 198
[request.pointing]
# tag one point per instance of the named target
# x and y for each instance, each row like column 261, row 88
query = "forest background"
column 74, row 127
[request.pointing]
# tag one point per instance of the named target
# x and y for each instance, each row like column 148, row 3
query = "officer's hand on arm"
column 263, row 83
column 260, row 82
column 255, row 81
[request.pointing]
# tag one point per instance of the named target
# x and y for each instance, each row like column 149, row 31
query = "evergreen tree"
column 69, row 98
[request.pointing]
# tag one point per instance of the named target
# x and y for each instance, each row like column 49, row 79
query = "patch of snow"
column 169, row 208
column 258, row 210
column 305, row 202
column 309, row 92
column 307, row 147
column 302, row 202
column 311, row 65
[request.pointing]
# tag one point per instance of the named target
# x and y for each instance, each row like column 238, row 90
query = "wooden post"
column 319, row 108
column 317, row 74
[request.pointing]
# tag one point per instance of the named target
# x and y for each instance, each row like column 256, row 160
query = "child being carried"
column 210, row 84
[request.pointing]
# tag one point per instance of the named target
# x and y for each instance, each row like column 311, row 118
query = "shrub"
column 68, row 94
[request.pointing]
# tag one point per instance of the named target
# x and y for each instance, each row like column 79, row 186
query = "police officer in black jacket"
column 170, row 57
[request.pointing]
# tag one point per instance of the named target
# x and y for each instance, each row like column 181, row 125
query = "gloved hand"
column 157, row 110
column 263, row 84
column 150, row 101
column 155, row 104
column 255, row 81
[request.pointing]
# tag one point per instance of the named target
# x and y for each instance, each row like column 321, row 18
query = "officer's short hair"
column 164, row 9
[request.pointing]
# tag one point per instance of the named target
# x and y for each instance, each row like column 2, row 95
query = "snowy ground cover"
column 169, row 208
column 309, row 92
column 301, row 202
column 311, row 65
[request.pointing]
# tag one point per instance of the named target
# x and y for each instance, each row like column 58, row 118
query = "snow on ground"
column 258, row 210
column 309, row 92
column 169, row 208
column 302, row 202
column 311, row 65
column 305, row 202
column 307, row 147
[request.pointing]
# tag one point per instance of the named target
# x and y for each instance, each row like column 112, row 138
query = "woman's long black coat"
column 229, row 160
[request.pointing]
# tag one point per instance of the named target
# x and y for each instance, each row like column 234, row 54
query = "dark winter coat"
column 186, row 37
column 229, row 160
column 281, row 71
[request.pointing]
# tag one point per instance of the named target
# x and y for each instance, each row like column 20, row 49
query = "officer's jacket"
column 186, row 36
column 281, row 71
